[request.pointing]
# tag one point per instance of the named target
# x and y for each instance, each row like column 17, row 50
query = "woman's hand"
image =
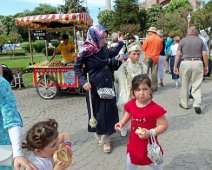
column 87, row 86
column 21, row 161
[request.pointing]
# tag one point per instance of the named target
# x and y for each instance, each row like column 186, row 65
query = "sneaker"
column 123, row 132
column 161, row 84
column 198, row 110
column 176, row 84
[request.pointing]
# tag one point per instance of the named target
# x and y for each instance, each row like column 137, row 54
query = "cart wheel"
column 80, row 90
column 48, row 91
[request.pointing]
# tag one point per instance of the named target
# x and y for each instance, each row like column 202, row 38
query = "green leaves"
column 175, row 5
column 106, row 19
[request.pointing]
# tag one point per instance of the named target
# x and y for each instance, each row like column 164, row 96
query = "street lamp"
column 189, row 19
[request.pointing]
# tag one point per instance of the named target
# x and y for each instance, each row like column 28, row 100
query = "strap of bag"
column 152, row 138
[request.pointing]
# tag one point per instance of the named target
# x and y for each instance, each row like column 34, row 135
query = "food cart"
column 50, row 79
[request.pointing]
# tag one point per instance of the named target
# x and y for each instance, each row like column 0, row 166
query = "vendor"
column 67, row 49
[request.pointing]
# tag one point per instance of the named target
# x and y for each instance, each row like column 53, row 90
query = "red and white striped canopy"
column 44, row 21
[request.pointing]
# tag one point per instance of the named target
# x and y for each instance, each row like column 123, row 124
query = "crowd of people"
column 117, row 95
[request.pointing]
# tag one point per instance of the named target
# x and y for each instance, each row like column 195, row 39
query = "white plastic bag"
column 154, row 151
column 6, row 155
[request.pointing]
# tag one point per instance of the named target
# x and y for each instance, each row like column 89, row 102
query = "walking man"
column 152, row 47
column 192, row 51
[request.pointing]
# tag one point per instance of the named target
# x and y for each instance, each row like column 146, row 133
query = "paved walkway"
column 187, row 142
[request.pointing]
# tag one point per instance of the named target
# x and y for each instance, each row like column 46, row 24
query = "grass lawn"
column 24, row 62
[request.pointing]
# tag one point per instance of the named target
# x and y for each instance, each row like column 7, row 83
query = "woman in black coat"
column 94, row 59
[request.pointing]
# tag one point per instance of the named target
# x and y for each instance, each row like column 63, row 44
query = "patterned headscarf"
column 91, row 45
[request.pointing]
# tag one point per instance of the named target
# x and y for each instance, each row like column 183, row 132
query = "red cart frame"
column 49, row 80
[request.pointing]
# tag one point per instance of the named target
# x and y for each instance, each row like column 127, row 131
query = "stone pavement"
column 186, row 143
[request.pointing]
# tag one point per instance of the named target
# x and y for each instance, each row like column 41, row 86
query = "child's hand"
column 145, row 135
column 118, row 126
column 60, row 166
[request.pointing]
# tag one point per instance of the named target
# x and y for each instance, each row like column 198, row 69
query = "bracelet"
column 67, row 144
column 153, row 132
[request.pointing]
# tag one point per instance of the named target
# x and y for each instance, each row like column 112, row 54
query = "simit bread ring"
column 62, row 154
column 140, row 131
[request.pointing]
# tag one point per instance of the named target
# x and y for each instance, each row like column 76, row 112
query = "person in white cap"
column 152, row 47
column 124, row 75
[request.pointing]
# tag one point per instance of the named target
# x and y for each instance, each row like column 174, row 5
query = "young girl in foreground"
column 144, row 113
column 43, row 140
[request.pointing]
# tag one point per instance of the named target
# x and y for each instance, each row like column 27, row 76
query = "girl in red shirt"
column 144, row 113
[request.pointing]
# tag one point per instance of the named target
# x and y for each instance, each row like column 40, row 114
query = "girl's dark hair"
column 137, row 80
column 40, row 135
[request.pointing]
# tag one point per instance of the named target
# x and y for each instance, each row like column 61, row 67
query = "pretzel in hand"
column 63, row 154
column 140, row 131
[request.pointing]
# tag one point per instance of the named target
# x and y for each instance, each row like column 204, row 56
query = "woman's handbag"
column 106, row 93
column 154, row 151
column 6, row 155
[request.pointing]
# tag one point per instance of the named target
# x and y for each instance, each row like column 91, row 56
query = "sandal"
column 100, row 143
column 107, row 148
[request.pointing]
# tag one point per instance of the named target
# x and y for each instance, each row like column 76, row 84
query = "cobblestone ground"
column 187, row 142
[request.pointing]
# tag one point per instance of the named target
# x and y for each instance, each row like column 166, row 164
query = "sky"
column 11, row 7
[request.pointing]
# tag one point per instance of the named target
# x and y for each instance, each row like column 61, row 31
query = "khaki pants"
column 191, row 72
column 153, row 67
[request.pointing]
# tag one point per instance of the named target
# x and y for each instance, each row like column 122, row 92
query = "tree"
column 1, row 28
column 176, row 4
column 142, row 17
column 126, row 12
column 106, row 18
column 44, row 9
column 131, row 29
column 174, row 22
column 202, row 18
column 153, row 14
column 72, row 6
column 8, row 23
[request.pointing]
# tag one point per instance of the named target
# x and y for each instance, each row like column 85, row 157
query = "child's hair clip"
column 42, row 130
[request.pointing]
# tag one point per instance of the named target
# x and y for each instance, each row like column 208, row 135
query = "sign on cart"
column 39, row 34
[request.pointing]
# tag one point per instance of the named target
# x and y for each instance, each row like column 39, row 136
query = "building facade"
column 148, row 3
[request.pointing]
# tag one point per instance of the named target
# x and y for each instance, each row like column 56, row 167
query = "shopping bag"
column 6, row 155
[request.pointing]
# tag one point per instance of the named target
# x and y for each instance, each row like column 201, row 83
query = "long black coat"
column 100, row 75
